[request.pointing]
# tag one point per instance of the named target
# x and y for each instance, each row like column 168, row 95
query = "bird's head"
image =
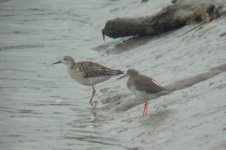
column 68, row 60
column 130, row 73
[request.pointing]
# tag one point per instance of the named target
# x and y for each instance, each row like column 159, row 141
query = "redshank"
column 144, row 87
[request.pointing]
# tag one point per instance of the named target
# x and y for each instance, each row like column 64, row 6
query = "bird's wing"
column 147, row 85
column 92, row 69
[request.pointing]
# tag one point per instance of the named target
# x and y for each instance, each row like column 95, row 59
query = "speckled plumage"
column 92, row 69
column 88, row 73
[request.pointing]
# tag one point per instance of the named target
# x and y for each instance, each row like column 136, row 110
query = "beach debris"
column 169, row 18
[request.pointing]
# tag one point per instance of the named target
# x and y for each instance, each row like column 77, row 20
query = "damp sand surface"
column 43, row 108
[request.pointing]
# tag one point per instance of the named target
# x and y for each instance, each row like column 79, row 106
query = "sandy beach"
column 43, row 108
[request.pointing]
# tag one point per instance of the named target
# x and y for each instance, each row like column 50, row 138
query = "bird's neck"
column 133, row 76
column 71, row 65
column 130, row 80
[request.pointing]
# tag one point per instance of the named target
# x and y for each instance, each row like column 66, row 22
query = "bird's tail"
column 115, row 72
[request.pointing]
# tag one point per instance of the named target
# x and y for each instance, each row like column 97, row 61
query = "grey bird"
column 144, row 87
column 88, row 73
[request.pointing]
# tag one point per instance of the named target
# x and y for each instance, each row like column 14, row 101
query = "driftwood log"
column 169, row 18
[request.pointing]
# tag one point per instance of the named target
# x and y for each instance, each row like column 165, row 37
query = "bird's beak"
column 122, row 76
column 57, row 62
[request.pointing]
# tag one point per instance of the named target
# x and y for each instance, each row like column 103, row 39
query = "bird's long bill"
column 122, row 76
column 57, row 62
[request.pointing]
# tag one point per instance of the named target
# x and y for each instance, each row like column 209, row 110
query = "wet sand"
column 43, row 108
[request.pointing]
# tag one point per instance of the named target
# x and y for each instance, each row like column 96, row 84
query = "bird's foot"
column 94, row 104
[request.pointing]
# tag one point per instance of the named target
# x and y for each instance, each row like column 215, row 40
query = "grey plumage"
column 144, row 86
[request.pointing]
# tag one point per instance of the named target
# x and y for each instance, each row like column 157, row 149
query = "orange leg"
column 145, row 112
column 146, row 109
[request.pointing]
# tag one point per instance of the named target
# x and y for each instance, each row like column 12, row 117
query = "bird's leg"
column 146, row 113
column 93, row 93
column 145, row 109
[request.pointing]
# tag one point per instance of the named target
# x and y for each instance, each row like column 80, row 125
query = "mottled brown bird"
column 88, row 73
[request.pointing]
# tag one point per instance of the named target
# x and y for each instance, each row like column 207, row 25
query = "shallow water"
column 41, row 107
